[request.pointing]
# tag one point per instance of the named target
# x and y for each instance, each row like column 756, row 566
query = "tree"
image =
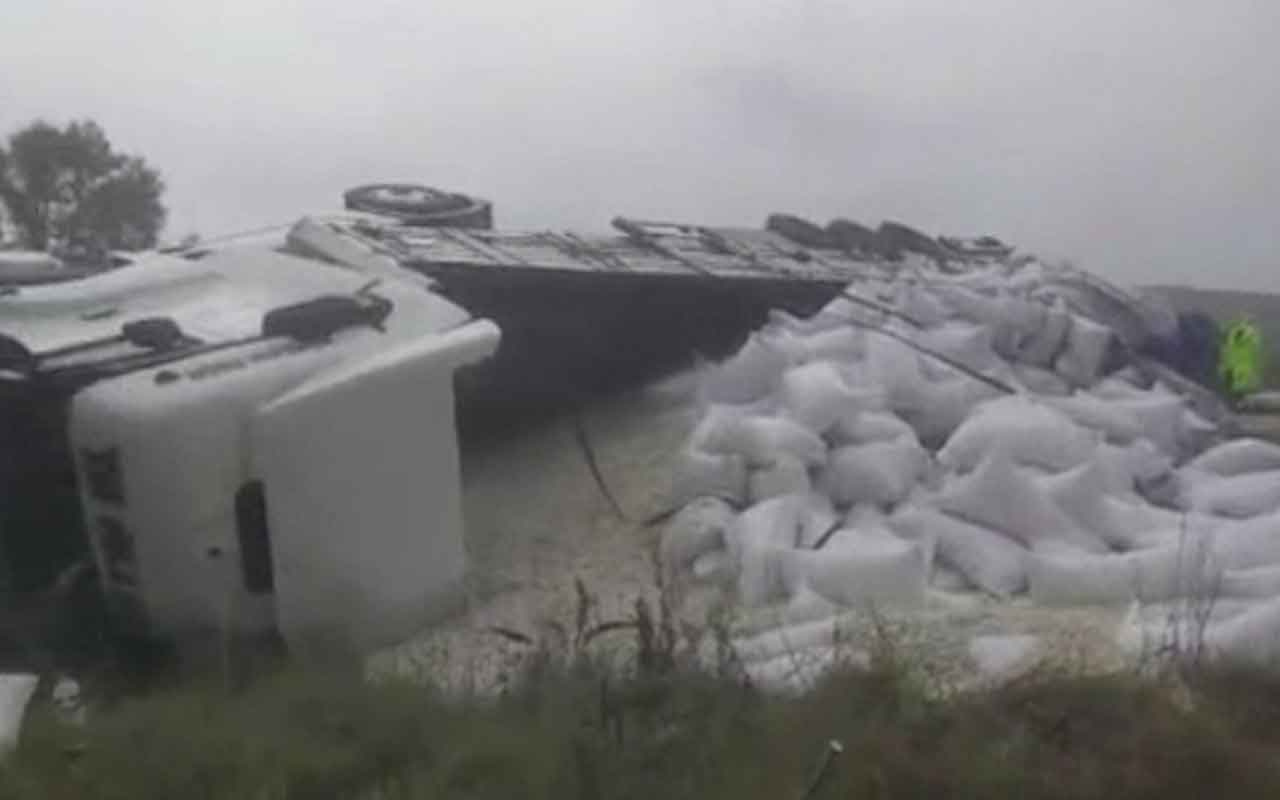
column 67, row 189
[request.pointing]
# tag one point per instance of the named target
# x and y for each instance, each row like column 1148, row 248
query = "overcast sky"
column 1138, row 137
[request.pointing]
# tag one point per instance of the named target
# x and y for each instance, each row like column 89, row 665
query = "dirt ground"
column 537, row 523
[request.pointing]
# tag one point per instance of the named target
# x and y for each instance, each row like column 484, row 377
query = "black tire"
column 852, row 237
column 413, row 204
column 896, row 237
column 799, row 230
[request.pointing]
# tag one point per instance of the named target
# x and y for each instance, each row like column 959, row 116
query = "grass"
column 569, row 727
column 569, row 734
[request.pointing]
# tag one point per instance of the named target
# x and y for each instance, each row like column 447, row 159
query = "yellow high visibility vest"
column 1241, row 361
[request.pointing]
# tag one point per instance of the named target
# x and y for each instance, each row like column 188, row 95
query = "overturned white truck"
column 244, row 438
column 260, row 435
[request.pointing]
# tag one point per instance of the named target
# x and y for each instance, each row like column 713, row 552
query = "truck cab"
column 241, row 438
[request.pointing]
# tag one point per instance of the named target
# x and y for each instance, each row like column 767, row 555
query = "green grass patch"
column 573, row 735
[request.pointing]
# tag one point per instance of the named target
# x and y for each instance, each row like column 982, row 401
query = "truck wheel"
column 413, row 204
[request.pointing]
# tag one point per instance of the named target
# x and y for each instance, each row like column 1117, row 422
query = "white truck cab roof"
column 262, row 433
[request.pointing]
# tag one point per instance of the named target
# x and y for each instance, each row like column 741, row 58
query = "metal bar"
column 576, row 247
column 883, row 309
column 489, row 250
column 80, row 347
column 639, row 235
column 948, row 360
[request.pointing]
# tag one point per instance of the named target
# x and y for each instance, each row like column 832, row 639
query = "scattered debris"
column 1116, row 489
column 1002, row 657
column 15, row 694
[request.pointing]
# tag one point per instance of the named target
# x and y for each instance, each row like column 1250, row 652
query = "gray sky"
column 1138, row 137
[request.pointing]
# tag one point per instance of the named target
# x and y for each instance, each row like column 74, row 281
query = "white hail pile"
column 845, row 459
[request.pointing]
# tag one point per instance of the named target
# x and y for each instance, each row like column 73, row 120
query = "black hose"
column 589, row 455
column 951, row 362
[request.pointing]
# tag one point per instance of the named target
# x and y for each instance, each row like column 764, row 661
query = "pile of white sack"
column 982, row 433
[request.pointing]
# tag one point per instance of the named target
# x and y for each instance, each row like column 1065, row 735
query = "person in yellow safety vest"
column 1241, row 361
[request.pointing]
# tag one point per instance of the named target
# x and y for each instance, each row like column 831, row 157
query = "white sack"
column 1136, row 525
column 871, row 426
column 793, row 673
column 15, row 694
column 936, row 408
column 748, row 375
column 716, row 415
column 867, row 523
column 1040, row 381
column 1001, row 657
column 997, row 312
column 788, row 342
column 999, row 495
column 1257, row 582
column 1248, row 543
column 1040, row 347
column 1150, row 576
column 1125, row 466
column 894, row 367
column 965, row 343
column 987, row 559
column 1240, row 496
column 699, row 474
column 867, row 517
column 1029, row 432
column 836, row 344
column 949, row 579
column 867, row 393
column 1131, row 375
column 839, row 309
column 803, row 606
column 1117, row 423
column 1014, row 318
column 762, row 440
column 755, row 541
column 815, row 395
column 799, row 326
column 1197, row 432
column 1081, row 493
column 791, row 638
column 820, row 519
column 1116, row 387
column 881, row 473
column 761, row 535
column 1025, row 316
column 923, row 306
column 68, row 702
column 712, row 567
column 699, row 528
column 1098, row 580
column 1160, row 416
column 874, row 572
column 786, row 475
column 1237, row 457
column 1087, row 343
column 1123, row 522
